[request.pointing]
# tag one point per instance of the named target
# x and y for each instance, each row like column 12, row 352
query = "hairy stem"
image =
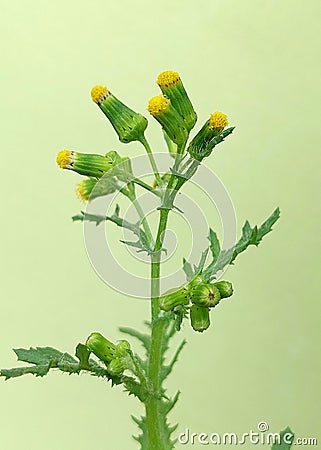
column 153, row 404
column 153, row 412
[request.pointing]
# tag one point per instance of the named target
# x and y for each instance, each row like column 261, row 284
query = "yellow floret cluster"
column 218, row 120
column 82, row 192
column 167, row 78
column 158, row 104
column 98, row 93
column 64, row 158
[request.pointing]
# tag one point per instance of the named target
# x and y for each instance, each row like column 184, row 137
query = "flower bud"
column 123, row 348
column 211, row 134
column 225, row 288
column 85, row 188
column 218, row 121
column 196, row 281
column 107, row 185
column 128, row 124
column 206, row 295
column 105, row 350
column 173, row 124
column 172, row 86
column 174, row 297
column 116, row 367
column 84, row 164
column 200, row 318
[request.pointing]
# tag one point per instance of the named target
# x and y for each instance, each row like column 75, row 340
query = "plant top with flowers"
column 196, row 300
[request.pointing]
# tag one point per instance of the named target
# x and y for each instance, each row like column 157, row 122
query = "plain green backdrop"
column 258, row 61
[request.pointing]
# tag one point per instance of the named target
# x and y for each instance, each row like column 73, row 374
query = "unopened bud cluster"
column 203, row 297
column 117, row 357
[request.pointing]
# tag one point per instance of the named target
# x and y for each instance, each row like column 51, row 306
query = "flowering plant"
column 196, row 299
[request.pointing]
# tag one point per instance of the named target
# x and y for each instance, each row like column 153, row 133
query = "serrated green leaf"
column 134, row 388
column 167, row 407
column 253, row 236
column 90, row 217
column 136, row 244
column 167, row 369
column 215, row 246
column 143, row 338
column 187, row 267
column 143, row 437
column 38, row 371
column 142, row 243
column 284, row 445
column 200, row 266
column 46, row 358
column 266, row 226
column 250, row 236
column 43, row 355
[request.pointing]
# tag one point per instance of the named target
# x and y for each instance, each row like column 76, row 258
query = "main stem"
column 153, row 404
column 154, row 419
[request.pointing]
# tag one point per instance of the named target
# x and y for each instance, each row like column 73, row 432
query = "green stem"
column 152, row 160
column 143, row 184
column 143, row 220
column 153, row 404
column 147, row 187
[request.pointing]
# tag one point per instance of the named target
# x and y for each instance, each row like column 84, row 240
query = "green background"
column 258, row 61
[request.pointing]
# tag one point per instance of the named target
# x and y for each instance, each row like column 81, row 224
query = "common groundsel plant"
column 194, row 302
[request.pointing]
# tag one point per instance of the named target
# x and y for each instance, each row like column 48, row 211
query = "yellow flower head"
column 158, row 104
column 128, row 124
column 84, row 189
column 218, row 120
column 167, row 78
column 99, row 93
column 64, row 159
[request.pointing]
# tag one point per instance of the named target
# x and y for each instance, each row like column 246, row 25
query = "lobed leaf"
column 215, row 246
column 284, row 445
column 45, row 358
column 187, row 267
column 250, row 236
column 43, row 355
column 200, row 266
column 167, row 369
